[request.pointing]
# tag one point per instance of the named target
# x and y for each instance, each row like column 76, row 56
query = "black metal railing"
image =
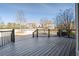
column 35, row 32
column 53, row 32
column 43, row 32
column 7, row 36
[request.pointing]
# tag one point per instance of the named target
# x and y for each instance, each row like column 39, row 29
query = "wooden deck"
column 41, row 46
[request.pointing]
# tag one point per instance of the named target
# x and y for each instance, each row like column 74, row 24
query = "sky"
column 32, row 12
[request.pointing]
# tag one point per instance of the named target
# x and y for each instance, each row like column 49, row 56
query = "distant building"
column 31, row 25
column 47, row 24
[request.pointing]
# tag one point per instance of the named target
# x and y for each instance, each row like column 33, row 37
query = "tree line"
column 63, row 20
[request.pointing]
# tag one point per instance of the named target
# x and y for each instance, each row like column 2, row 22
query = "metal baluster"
column 1, row 39
column 48, row 32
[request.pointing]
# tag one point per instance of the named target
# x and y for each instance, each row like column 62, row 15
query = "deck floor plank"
column 41, row 46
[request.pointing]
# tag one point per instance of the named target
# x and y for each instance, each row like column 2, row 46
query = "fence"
column 6, row 36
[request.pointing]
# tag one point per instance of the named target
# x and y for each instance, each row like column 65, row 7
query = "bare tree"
column 1, row 23
column 68, row 16
column 20, row 19
column 64, row 19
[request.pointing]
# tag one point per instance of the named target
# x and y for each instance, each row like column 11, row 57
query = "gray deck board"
column 60, row 47
column 41, row 46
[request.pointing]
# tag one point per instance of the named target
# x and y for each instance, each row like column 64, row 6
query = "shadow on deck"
column 41, row 46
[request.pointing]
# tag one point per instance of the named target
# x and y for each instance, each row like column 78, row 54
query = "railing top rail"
column 5, row 30
column 47, row 29
column 35, row 31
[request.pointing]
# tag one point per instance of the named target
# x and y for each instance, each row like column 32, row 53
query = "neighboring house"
column 31, row 25
column 48, row 24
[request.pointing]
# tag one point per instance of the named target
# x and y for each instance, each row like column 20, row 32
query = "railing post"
column 37, row 32
column 48, row 32
column 13, row 36
column 33, row 34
